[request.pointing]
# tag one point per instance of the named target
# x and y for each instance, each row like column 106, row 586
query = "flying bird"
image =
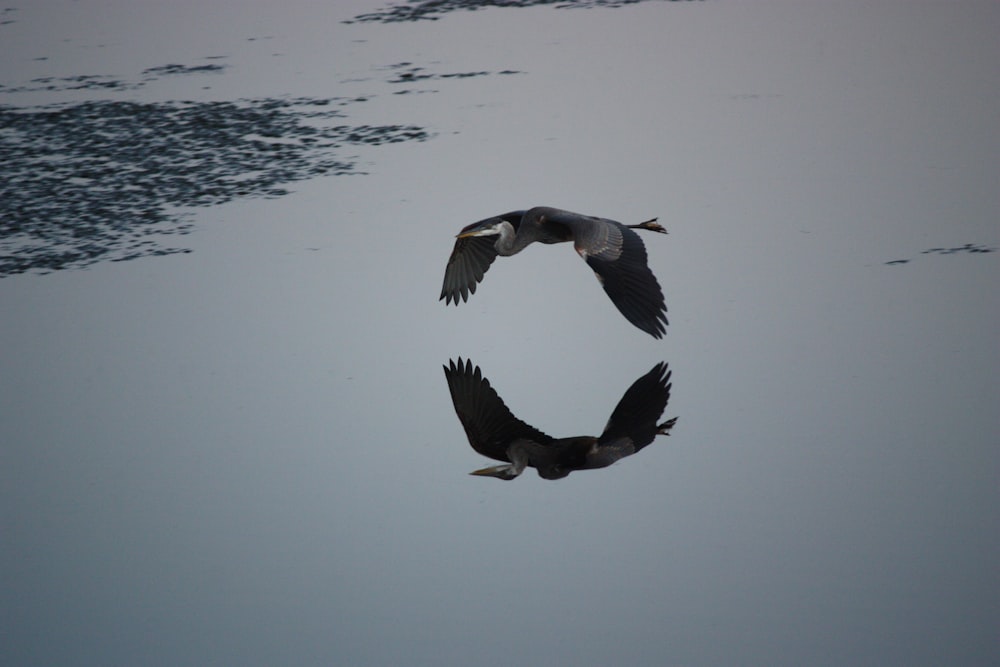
column 495, row 432
column 613, row 251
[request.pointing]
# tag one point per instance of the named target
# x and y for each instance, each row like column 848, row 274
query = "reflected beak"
column 500, row 472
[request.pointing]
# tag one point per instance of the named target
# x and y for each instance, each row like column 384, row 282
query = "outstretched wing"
column 618, row 257
column 467, row 265
column 633, row 425
column 470, row 259
column 488, row 423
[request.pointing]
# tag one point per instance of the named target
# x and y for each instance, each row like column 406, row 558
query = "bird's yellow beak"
column 478, row 229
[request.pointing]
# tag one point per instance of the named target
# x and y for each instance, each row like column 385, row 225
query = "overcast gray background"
column 247, row 455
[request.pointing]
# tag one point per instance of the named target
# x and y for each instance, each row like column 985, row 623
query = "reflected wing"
column 632, row 425
column 467, row 265
column 488, row 423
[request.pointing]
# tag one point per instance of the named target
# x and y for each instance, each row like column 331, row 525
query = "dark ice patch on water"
column 104, row 180
column 431, row 10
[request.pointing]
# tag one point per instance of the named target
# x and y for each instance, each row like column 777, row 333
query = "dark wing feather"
column 620, row 265
column 471, row 258
column 617, row 256
column 633, row 425
column 467, row 265
column 488, row 423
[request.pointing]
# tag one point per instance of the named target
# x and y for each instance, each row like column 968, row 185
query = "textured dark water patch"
column 968, row 248
column 972, row 248
column 103, row 180
column 80, row 82
column 409, row 73
column 109, row 83
column 174, row 69
column 431, row 10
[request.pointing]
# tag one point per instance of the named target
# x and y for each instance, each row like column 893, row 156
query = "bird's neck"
column 509, row 242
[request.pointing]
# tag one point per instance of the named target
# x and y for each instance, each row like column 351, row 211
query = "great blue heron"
column 614, row 252
column 494, row 432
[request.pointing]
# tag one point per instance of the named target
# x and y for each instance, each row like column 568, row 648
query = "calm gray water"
column 225, row 433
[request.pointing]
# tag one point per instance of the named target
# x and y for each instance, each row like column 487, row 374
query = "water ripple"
column 430, row 10
column 101, row 180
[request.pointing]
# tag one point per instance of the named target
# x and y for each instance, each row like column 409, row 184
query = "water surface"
column 227, row 436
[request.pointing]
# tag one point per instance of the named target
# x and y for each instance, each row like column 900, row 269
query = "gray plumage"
column 613, row 251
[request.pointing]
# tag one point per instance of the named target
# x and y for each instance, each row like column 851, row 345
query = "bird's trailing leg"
column 650, row 225
column 664, row 428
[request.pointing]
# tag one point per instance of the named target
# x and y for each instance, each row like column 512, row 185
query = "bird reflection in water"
column 494, row 432
column 613, row 251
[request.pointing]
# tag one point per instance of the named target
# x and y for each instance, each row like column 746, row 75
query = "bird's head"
column 494, row 226
column 505, row 472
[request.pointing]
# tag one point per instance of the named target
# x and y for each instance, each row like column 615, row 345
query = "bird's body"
column 613, row 251
column 495, row 432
